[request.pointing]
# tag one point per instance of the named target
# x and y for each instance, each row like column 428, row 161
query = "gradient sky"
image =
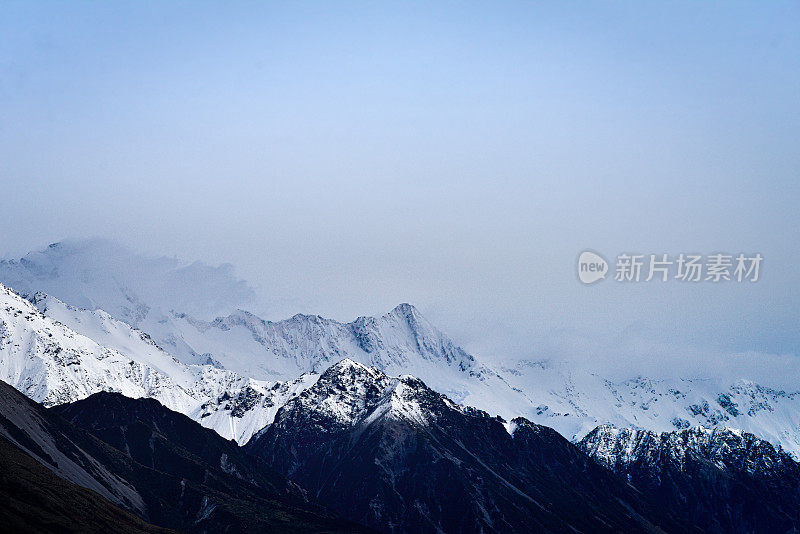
column 350, row 156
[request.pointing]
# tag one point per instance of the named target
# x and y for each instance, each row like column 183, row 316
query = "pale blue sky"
column 350, row 156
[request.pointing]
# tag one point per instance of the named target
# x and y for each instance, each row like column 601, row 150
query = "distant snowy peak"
column 417, row 333
column 401, row 340
column 574, row 401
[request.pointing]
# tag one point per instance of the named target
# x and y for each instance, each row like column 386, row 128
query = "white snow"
column 53, row 364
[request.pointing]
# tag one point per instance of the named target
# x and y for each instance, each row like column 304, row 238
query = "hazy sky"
column 346, row 157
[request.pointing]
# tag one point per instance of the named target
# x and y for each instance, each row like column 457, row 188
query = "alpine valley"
column 231, row 422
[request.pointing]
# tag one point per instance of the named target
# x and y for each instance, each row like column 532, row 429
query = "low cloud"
column 634, row 353
column 97, row 273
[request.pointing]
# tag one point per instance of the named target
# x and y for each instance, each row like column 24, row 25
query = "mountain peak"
column 351, row 377
column 347, row 364
column 405, row 309
column 351, row 394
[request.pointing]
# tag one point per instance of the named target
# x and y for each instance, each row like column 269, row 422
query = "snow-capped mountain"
column 393, row 454
column 399, row 342
column 54, row 364
column 245, row 343
column 731, row 480
column 98, row 276
column 262, row 360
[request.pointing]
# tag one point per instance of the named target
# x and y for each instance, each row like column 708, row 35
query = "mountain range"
column 383, row 421
column 417, row 466
column 108, row 294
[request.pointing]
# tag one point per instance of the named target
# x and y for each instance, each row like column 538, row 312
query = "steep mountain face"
column 721, row 480
column 54, row 364
column 395, row 455
column 51, row 363
column 36, row 500
column 194, row 480
column 61, row 448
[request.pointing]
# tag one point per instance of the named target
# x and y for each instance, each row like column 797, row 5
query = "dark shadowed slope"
column 188, row 494
column 170, row 442
column 36, row 501
column 720, row 480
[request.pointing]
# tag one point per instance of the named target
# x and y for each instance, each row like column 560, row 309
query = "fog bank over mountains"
column 100, row 273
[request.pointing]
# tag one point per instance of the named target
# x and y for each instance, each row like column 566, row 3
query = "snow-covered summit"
column 241, row 341
column 349, row 394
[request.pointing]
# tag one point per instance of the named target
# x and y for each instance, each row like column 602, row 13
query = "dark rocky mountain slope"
column 397, row 456
column 720, row 480
column 177, row 487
